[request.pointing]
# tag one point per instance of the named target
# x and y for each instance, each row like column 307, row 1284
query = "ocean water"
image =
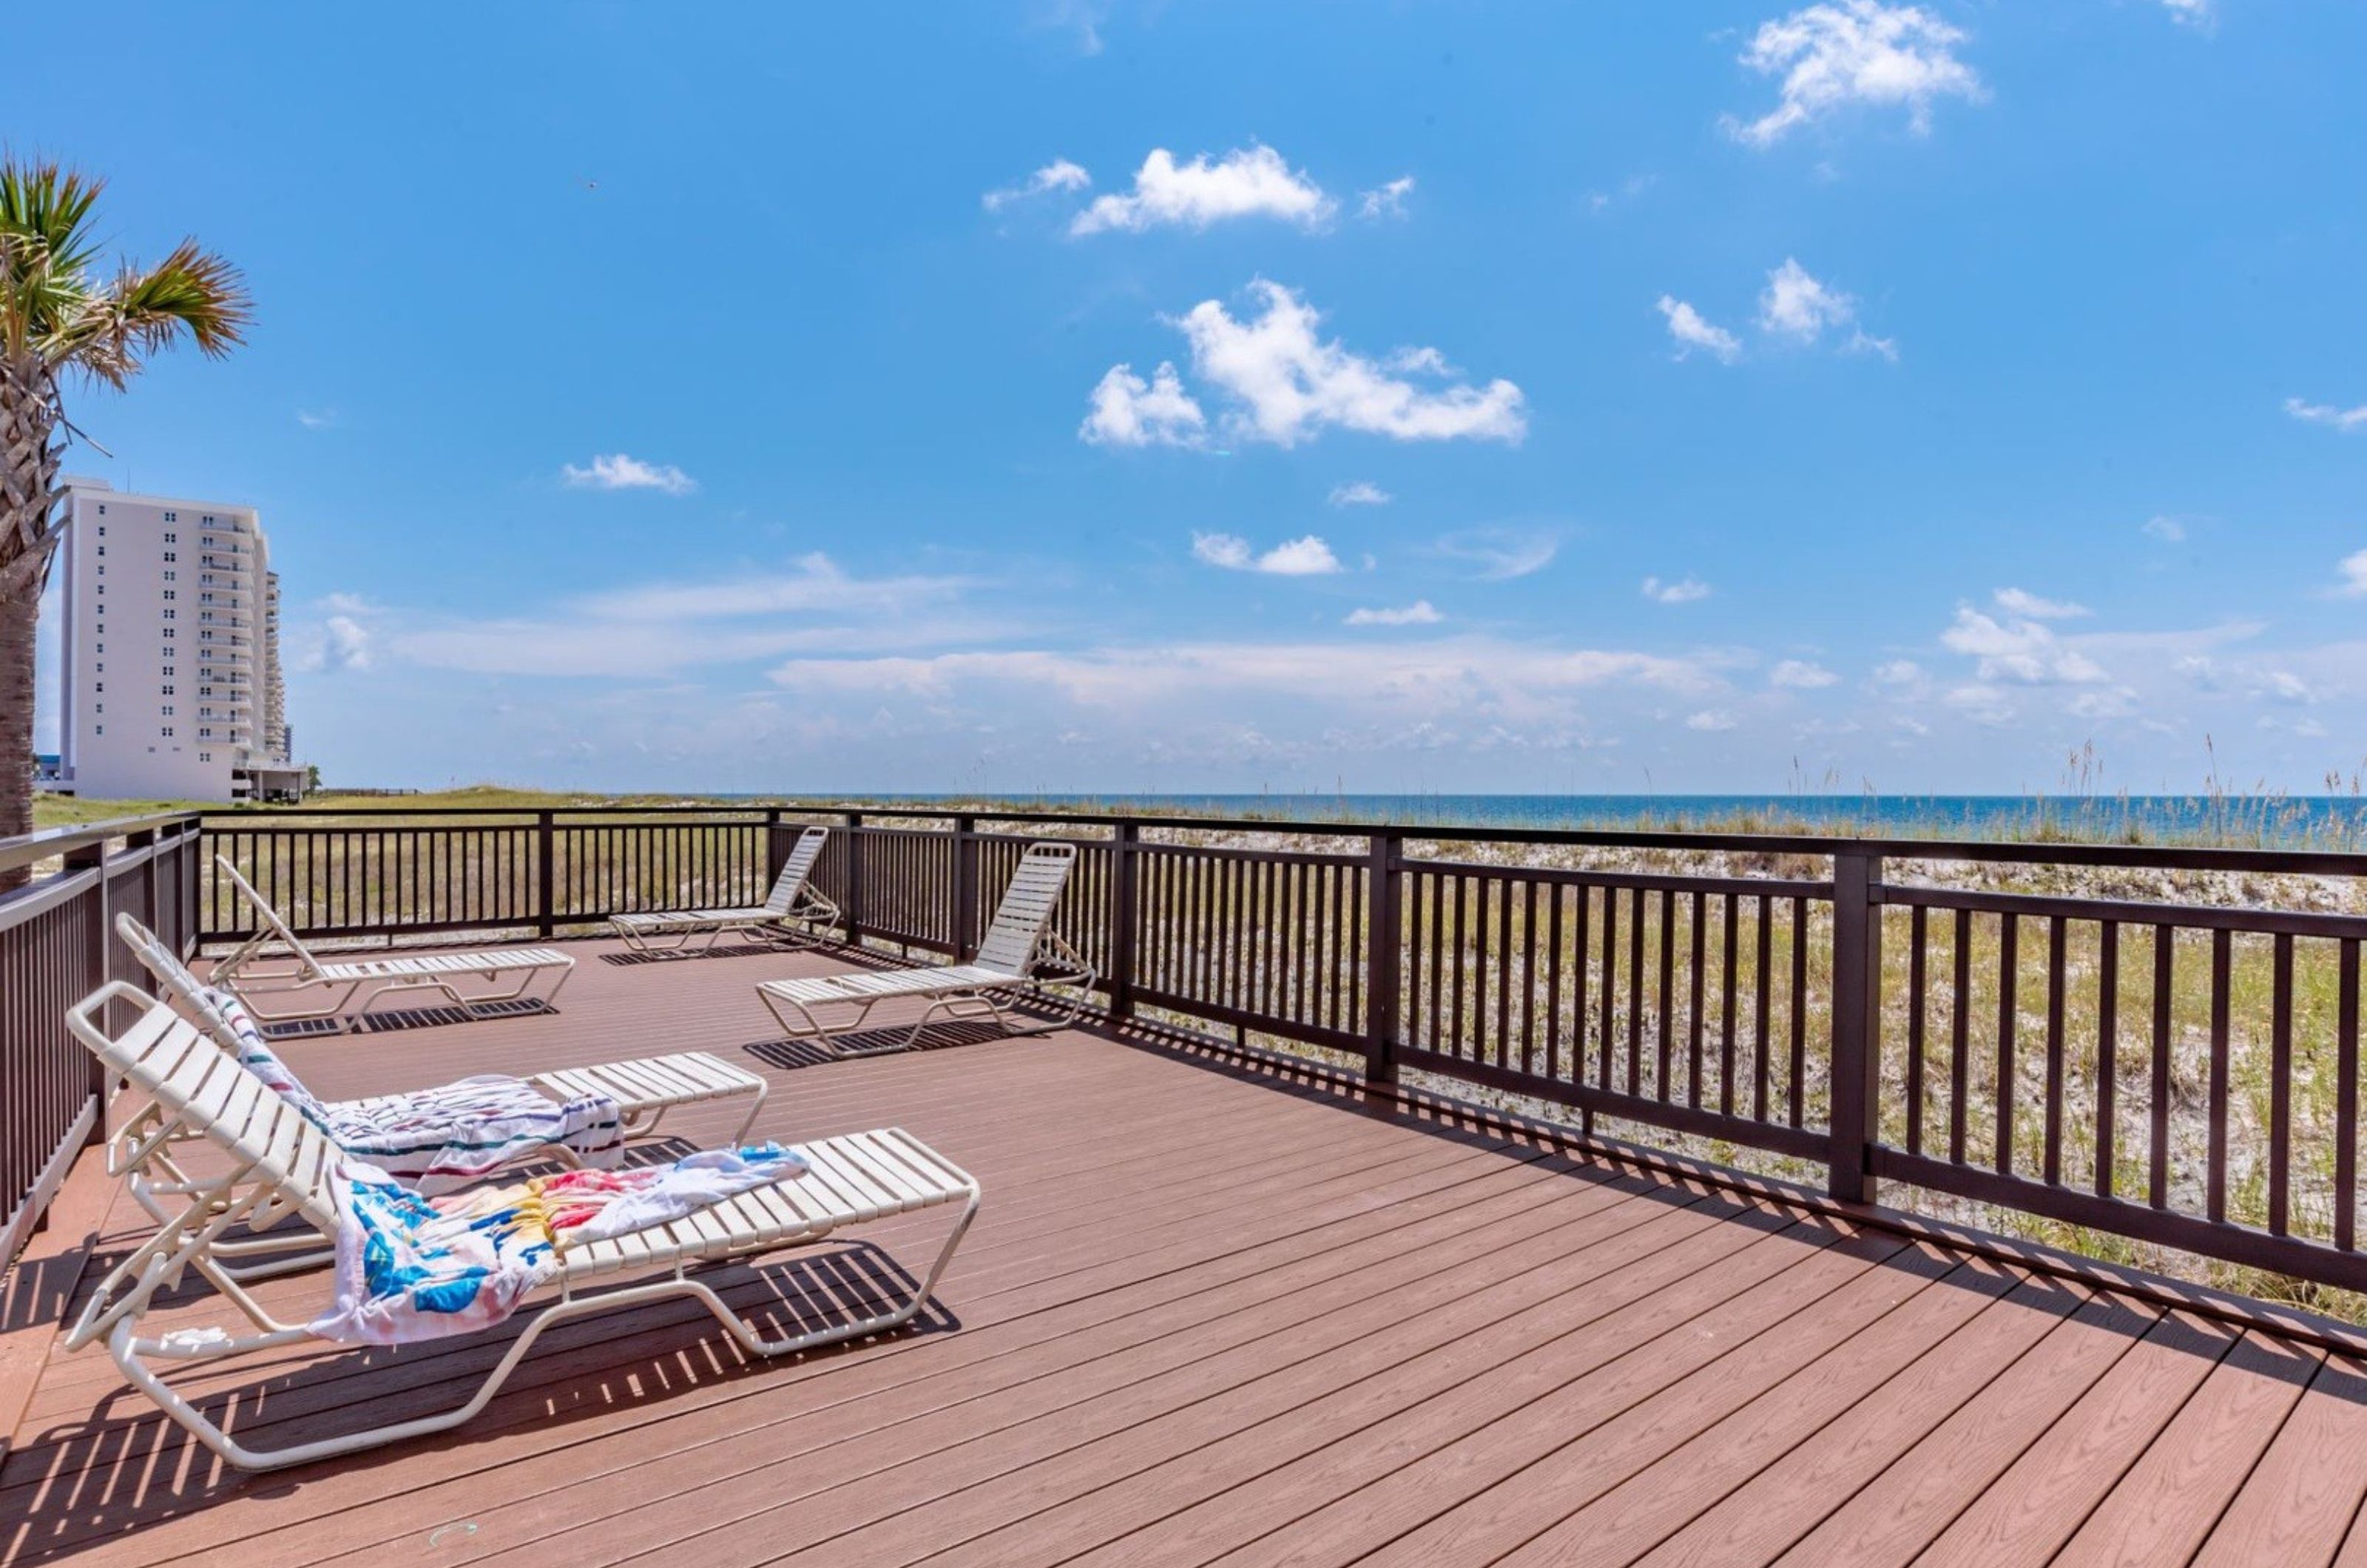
column 2306, row 821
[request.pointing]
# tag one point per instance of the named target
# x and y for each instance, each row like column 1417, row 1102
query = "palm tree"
column 59, row 317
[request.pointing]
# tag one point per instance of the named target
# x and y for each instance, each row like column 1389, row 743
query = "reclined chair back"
column 268, row 927
column 1027, row 907
column 201, row 1091
column 174, row 980
column 795, row 870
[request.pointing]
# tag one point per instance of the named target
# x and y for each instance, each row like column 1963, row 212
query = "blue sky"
column 1698, row 398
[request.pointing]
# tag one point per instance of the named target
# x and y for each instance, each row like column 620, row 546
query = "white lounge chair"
column 1021, row 952
column 279, row 1169
column 793, row 903
column 644, row 1091
column 336, row 986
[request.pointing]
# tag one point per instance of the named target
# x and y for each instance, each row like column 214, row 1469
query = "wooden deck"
column 1209, row 1313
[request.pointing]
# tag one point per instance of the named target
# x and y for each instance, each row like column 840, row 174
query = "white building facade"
column 170, row 684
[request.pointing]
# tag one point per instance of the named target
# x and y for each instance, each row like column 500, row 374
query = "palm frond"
column 190, row 292
column 45, row 215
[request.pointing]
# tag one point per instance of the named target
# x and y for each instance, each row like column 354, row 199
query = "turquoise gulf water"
column 2316, row 822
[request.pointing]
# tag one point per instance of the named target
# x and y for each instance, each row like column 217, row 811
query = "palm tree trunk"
column 29, row 470
column 19, row 612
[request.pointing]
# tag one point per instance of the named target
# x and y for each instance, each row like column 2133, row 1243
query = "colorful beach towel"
column 411, row 1268
column 437, row 1140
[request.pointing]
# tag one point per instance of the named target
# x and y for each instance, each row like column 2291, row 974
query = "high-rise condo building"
column 169, row 682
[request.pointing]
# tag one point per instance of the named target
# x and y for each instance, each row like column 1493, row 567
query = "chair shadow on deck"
column 124, row 1465
column 390, row 1020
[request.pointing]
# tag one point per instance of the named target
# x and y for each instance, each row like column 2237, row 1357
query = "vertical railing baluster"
column 2215, row 1178
column 1917, row 1000
column 2280, row 1000
column 2346, row 1094
column 2009, row 972
column 2055, row 960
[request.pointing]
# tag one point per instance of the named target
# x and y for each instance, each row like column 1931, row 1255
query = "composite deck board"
column 1216, row 1311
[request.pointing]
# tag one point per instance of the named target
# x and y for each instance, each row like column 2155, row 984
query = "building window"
column 168, row 710
column 205, row 756
column 102, row 571
column 102, row 549
column 169, row 555
column 168, row 732
column 99, row 729
column 171, row 517
column 168, row 615
column 172, row 538
column 100, row 687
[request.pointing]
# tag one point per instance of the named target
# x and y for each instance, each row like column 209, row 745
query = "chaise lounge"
column 1021, row 953
column 794, row 904
column 336, row 986
column 281, row 1168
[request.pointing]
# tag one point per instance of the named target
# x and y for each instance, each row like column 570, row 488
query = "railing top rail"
column 2157, row 857
column 31, row 848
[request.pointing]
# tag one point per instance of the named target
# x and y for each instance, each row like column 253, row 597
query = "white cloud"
column 348, row 604
column 1130, row 411
column 1388, row 201
column 1798, row 674
column 1057, row 175
column 1229, row 550
column 1983, row 703
column 1683, row 590
column 1629, row 188
column 2327, row 413
column 2200, row 15
column 2352, row 569
column 1501, row 553
column 2015, row 601
column 1855, row 51
column 1418, row 614
column 1711, row 720
column 657, row 629
column 1797, row 306
column 2024, row 651
column 1290, row 386
column 1361, row 492
column 1692, row 332
column 348, row 646
column 316, row 419
column 1250, row 182
column 2169, row 530
column 1457, row 677
column 1307, row 557
column 1898, row 672
column 616, row 472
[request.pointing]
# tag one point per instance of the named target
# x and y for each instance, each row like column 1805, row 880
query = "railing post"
column 776, row 853
column 1125, row 916
column 1857, row 1025
column 1384, row 928
column 98, row 971
column 546, row 875
column 962, row 928
column 850, row 907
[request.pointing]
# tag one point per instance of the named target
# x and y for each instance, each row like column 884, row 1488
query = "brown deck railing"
column 2180, row 1073
column 58, row 944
